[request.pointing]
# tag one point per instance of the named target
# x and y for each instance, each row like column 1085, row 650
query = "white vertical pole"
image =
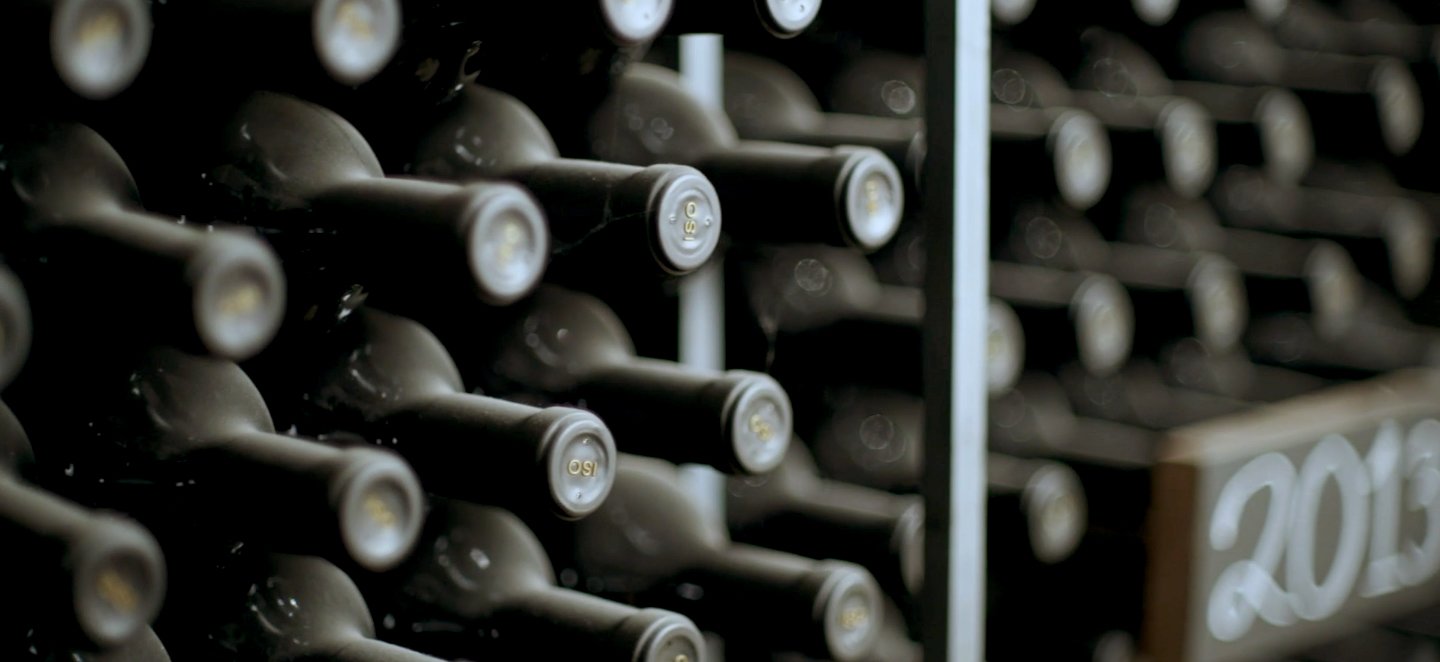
column 702, row 294
column 970, row 287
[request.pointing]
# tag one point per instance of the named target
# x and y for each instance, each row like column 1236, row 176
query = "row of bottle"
column 94, row 49
column 186, row 444
column 1254, row 206
column 316, row 191
column 354, row 217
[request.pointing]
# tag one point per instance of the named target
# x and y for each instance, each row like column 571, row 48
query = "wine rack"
column 759, row 330
column 421, row 329
column 1260, row 489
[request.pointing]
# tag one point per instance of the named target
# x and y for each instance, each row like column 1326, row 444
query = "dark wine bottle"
column 1048, row 152
column 1254, row 125
column 307, row 177
column 75, row 212
column 482, row 586
column 1281, row 273
column 768, row 101
column 871, row 437
column 275, row 607
column 1117, row 14
column 805, row 304
column 1156, row 138
column 1374, row 181
column 430, row 63
column 669, row 213
column 92, row 580
column 686, row 562
column 1005, row 13
column 561, row 346
column 93, row 48
column 795, row 510
column 534, row 49
column 1139, row 396
column 1366, row 348
column 1188, row 364
column 1067, row 315
column 1114, row 464
column 1035, row 509
column 802, row 302
column 33, row 646
column 902, row 262
column 1177, row 294
column 1021, row 78
column 15, row 326
column 1313, row 26
column 1359, row 107
column 1033, row 418
column 305, row 42
column 1110, row 460
column 779, row 192
column 1092, row 594
column 1390, row 239
column 186, row 444
column 1263, row 127
column 875, row 82
column 893, row 644
column 1154, row 134
column 778, row 18
column 1118, row 63
column 1004, row 347
column 389, row 380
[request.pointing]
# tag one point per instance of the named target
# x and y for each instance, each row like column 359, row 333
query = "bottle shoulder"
column 60, row 169
column 651, row 118
column 483, row 132
column 285, row 152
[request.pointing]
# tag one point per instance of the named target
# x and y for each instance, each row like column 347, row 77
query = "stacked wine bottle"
column 1223, row 210
column 390, row 370
column 385, row 366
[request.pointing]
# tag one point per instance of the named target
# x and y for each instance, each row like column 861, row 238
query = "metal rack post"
column 702, row 294
column 956, row 216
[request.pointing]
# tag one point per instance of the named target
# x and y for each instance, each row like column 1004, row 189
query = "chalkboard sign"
column 1285, row 526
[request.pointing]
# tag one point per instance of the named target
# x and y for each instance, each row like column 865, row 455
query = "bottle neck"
column 1263, row 253
column 782, row 192
column 37, row 522
column 1226, row 103
column 621, row 214
column 845, row 510
column 487, row 450
column 305, row 497
column 365, row 215
column 736, row 421
column 893, row 136
column 1327, row 72
column 1148, row 267
column 877, row 530
column 820, row 608
column 557, row 622
column 215, row 292
column 111, row 580
column 1028, row 287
